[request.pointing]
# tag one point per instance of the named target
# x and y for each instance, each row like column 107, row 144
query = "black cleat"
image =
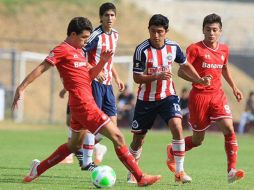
column 89, row 167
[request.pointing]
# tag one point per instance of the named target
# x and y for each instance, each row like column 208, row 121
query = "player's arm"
column 189, row 73
column 118, row 81
column 105, row 56
column 228, row 77
column 44, row 66
column 143, row 78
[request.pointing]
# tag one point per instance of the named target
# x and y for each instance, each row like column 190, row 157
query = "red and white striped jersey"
column 149, row 61
column 98, row 42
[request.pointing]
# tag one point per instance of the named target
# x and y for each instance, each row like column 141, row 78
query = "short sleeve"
column 180, row 57
column 191, row 53
column 56, row 55
column 139, row 61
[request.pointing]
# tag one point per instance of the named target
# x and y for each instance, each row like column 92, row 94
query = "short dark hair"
column 159, row 20
column 212, row 18
column 105, row 7
column 78, row 25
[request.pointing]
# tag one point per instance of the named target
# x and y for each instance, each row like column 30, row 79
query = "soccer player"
column 104, row 37
column 69, row 59
column 153, row 60
column 208, row 103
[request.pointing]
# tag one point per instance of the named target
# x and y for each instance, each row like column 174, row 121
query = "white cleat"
column 99, row 151
column 182, row 177
column 131, row 178
column 235, row 175
column 33, row 172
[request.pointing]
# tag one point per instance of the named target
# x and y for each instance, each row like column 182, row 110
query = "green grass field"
column 206, row 165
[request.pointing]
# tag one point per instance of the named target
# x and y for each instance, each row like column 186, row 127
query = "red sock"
column 231, row 148
column 129, row 161
column 57, row 156
column 188, row 144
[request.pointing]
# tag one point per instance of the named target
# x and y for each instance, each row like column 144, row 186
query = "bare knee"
column 74, row 147
column 118, row 139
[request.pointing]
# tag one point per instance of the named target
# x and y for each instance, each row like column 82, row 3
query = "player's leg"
column 68, row 159
column 87, row 152
column 144, row 116
column 113, row 133
column 57, row 156
column 178, row 150
column 231, row 148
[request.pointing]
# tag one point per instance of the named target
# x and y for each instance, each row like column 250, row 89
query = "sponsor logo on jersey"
column 153, row 70
column 137, row 64
column 134, row 124
column 211, row 65
column 79, row 64
column 222, row 57
column 51, row 54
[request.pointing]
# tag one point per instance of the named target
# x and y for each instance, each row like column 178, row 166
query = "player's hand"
column 206, row 80
column 238, row 94
column 62, row 93
column 164, row 75
column 120, row 84
column 106, row 55
column 101, row 77
column 19, row 94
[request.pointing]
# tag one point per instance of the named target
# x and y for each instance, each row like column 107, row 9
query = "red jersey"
column 72, row 67
column 208, row 61
column 98, row 42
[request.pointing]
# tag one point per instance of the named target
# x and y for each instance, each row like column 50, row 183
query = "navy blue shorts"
column 146, row 112
column 104, row 98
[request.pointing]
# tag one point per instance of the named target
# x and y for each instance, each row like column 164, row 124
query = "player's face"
column 108, row 19
column 212, row 33
column 81, row 39
column 157, row 35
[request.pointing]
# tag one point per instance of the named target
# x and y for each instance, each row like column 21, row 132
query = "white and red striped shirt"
column 149, row 61
column 98, row 42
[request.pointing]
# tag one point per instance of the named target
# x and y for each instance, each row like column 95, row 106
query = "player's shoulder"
column 143, row 46
column 114, row 31
column 62, row 47
column 223, row 47
column 170, row 42
column 195, row 45
column 97, row 31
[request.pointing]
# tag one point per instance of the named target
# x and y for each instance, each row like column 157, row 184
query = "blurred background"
column 31, row 28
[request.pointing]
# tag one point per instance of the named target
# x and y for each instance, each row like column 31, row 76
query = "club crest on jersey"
column 134, row 124
column 169, row 57
column 75, row 56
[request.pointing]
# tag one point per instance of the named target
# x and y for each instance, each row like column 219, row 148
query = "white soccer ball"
column 103, row 176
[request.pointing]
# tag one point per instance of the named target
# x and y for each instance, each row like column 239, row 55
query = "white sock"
column 178, row 147
column 98, row 137
column 136, row 154
column 87, row 150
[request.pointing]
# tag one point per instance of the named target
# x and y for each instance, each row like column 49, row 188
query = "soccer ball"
column 103, row 176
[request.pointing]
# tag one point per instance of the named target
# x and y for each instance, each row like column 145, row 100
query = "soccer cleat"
column 147, row 180
column 131, row 178
column 99, row 151
column 235, row 175
column 182, row 177
column 33, row 172
column 89, row 167
column 170, row 160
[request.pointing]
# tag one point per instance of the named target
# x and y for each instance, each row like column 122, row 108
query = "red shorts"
column 207, row 107
column 88, row 116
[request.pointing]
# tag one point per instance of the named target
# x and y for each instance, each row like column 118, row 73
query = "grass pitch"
column 20, row 144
